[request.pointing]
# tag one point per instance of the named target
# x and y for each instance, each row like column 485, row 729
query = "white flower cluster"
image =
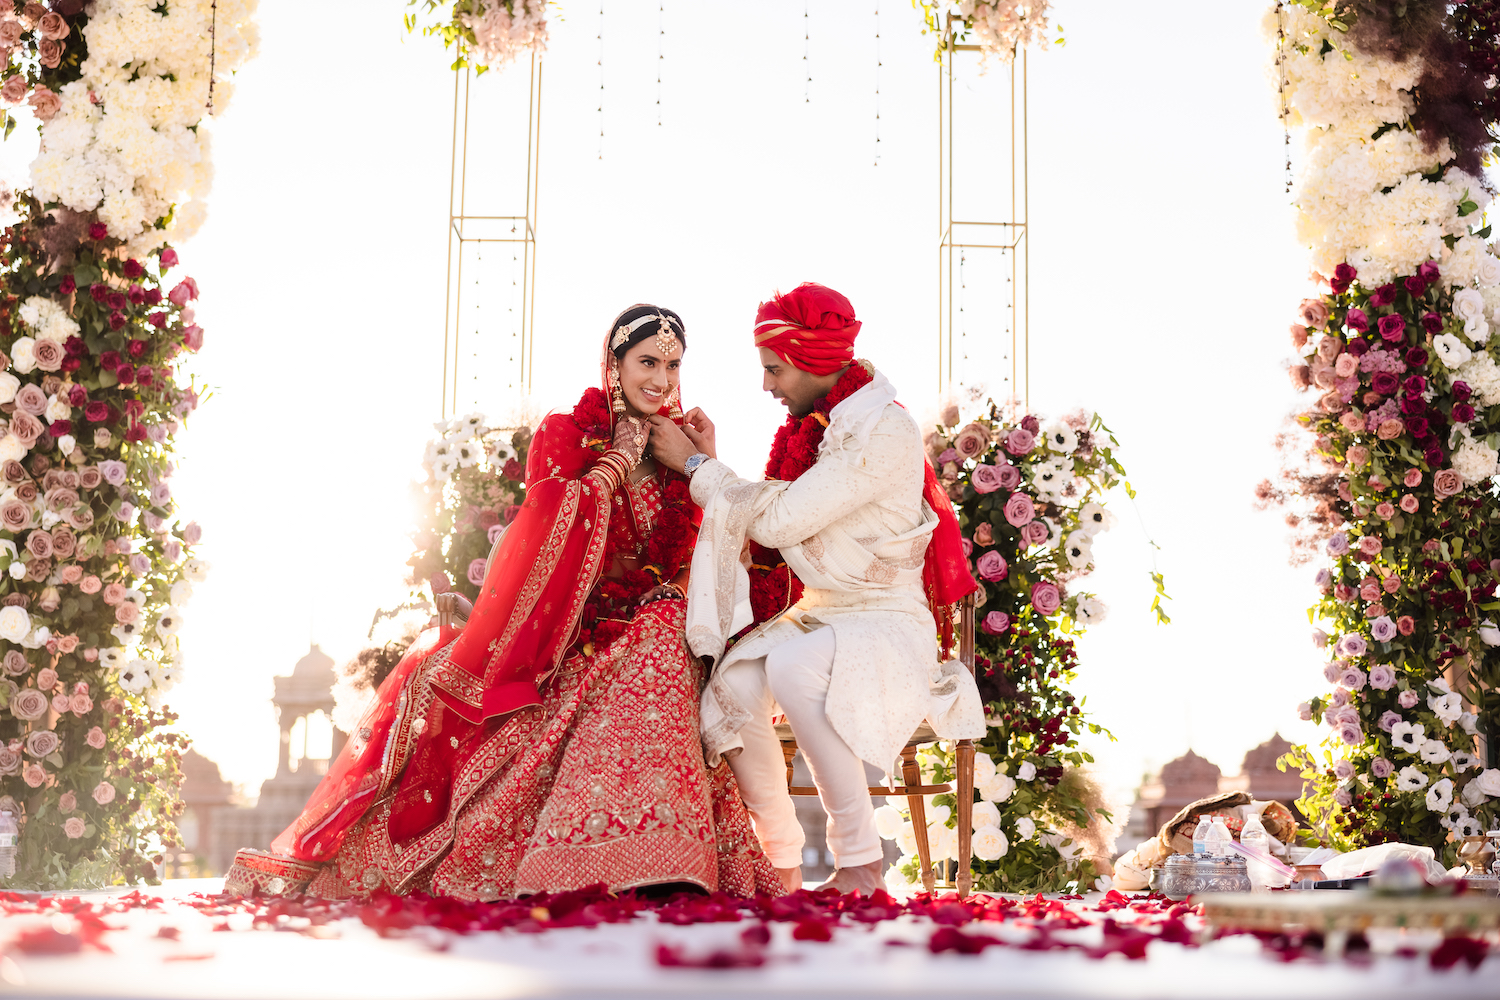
column 49, row 319
column 127, row 140
column 1363, row 199
column 459, row 445
column 504, row 28
column 1004, row 26
column 1473, row 459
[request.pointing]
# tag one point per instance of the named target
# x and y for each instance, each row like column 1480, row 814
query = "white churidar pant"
column 795, row 676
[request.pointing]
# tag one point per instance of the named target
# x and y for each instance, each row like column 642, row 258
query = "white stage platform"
column 174, row 951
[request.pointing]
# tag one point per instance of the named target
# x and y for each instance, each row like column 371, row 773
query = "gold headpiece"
column 666, row 337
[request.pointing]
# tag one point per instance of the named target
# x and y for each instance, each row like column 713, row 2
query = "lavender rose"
column 1338, row 544
column 1020, row 441
column 1382, row 677
column 1350, row 733
column 1353, row 644
column 29, row 704
column 1381, row 768
column 32, row 399
column 1046, row 598
column 986, row 478
column 42, row 742
column 1382, row 629
column 1352, row 678
column 996, row 622
column 10, row 761
column 1019, row 510
column 1446, row 482
column 992, row 566
column 112, row 471
column 1389, row 719
column 15, row 663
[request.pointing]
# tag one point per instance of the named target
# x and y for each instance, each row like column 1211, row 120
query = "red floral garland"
column 614, row 600
column 773, row 586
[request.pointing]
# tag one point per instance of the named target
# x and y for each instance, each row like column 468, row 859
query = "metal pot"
column 1186, row 874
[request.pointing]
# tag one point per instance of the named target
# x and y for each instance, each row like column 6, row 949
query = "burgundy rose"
column 1415, row 285
column 1429, row 272
column 1417, row 426
column 136, row 294
column 77, row 395
column 1416, row 357
column 1432, row 322
column 67, row 286
column 96, row 410
column 1358, row 347
column 133, row 268
column 116, row 320
column 136, row 348
column 126, row 374
column 153, row 296
column 1019, row 510
column 109, row 360
column 1461, row 391
column 1384, row 383
column 1446, row 482
column 1413, row 405
column 1384, row 295
column 1415, row 385
column 99, row 291
column 157, row 319
column 74, row 347
column 1392, row 328
column 1433, row 454
column 1046, row 598
column 1462, row 413
column 98, row 231
column 117, row 300
column 1030, row 424
column 511, row 512
column 1356, row 319
column 1343, row 277
column 512, row 470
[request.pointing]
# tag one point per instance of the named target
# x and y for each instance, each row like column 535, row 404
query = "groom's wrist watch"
column 691, row 465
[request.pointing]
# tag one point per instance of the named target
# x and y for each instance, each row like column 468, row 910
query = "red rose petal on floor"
column 812, row 930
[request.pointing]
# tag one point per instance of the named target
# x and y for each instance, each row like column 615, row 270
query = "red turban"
column 812, row 327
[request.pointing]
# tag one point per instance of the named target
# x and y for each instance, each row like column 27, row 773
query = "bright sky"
column 1163, row 274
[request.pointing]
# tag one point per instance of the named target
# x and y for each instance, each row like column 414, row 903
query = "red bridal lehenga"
column 554, row 742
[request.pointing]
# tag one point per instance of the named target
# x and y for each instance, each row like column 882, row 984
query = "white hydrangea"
column 1474, row 460
column 1482, row 375
column 48, row 318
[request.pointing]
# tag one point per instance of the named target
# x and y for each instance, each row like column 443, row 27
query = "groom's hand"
column 700, row 431
column 669, row 445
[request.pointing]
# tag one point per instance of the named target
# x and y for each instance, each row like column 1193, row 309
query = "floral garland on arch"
column 1395, row 488
column 485, row 34
column 95, row 561
column 1030, row 503
column 1000, row 28
column 474, row 484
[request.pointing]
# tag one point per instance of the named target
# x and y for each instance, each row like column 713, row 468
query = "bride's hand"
column 453, row 610
column 631, row 436
column 661, row 592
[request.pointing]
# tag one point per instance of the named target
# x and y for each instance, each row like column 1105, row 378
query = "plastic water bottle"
column 1219, row 837
column 1254, row 836
column 9, row 834
column 1200, row 835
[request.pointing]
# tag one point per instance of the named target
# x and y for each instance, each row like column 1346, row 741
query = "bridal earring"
column 674, row 408
column 616, row 394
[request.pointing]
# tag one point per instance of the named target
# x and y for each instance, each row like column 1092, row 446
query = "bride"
column 550, row 741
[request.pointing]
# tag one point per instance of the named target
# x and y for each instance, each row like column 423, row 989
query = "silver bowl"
column 1186, row 874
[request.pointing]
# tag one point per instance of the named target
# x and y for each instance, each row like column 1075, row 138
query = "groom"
column 853, row 546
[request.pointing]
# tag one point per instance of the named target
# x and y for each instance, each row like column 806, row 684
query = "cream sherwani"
column 855, row 529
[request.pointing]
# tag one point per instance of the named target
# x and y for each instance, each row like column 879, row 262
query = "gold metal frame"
column 965, row 234
column 464, row 228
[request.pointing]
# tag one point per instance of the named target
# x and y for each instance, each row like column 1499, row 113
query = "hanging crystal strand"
column 963, row 332
column 877, row 84
column 660, row 35
column 515, row 337
column 213, row 30
column 478, row 317
column 806, row 66
column 601, row 79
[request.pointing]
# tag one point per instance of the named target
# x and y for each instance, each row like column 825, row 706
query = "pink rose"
column 114, row 593
column 44, row 104
column 15, row 663
column 1313, row 312
column 192, row 534
column 992, row 566
column 1010, row 476
column 1410, row 503
column 1345, row 365
column 475, row 572
column 1046, row 598
column 1406, row 625
column 1019, row 510
column 1036, row 533
column 104, row 792
column 73, row 827
column 972, row 442
column 41, row 742
column 1446, row 482
column 34, row 775
column 127, row 612
column 66, row 644
column 1019, row 441
column 46, row 678
column 984, row 534
column 1413, row 477
column 53, row 26
column 95, row 739
column 494, row 532
column 1385, row 511
column 185, row 291
column 10, row 34
column 996, row 623
column 1391, row 584
column 91, row 654
column 1299, row 336
column 192, row 338
column 439, row 583
column 80, row 704
column 67, row 802
column 1352, row 420
column 49, row 355
column 1406, row 699
column 1389, row 430
column 986, row 478
column 39, row 543
column 90, row 584
column 1357, row 454
column 60, row 702
column 70, row 573
column 1370, row 545
column 28, row 704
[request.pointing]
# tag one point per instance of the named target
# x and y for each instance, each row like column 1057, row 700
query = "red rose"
column 133, row 268
column 68, row 286
column 98, row 231
column 109, row 360
column 136, row 294
column 513, row 470
column 136, row 348
column 192, row 338
column 126, row 374
column 98, row 291
column 157, row 319
column 116, row 320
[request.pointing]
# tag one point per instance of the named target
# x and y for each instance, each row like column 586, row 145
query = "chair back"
column 966, row 631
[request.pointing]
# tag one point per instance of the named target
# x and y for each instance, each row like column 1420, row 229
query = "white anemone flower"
column 135, row 676
column 1079, row 550
column 1408, row 736
column 1060, row 438
column 1093, row 518
column 1451, row 350
column 1090, row 611
column 170, row 622
column 1440, row 795
column 1433, row 752
column 1411, row 779
column 1447, row 708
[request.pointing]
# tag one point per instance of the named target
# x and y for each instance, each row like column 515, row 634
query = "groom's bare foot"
column 865, row 879
column 791, row 878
